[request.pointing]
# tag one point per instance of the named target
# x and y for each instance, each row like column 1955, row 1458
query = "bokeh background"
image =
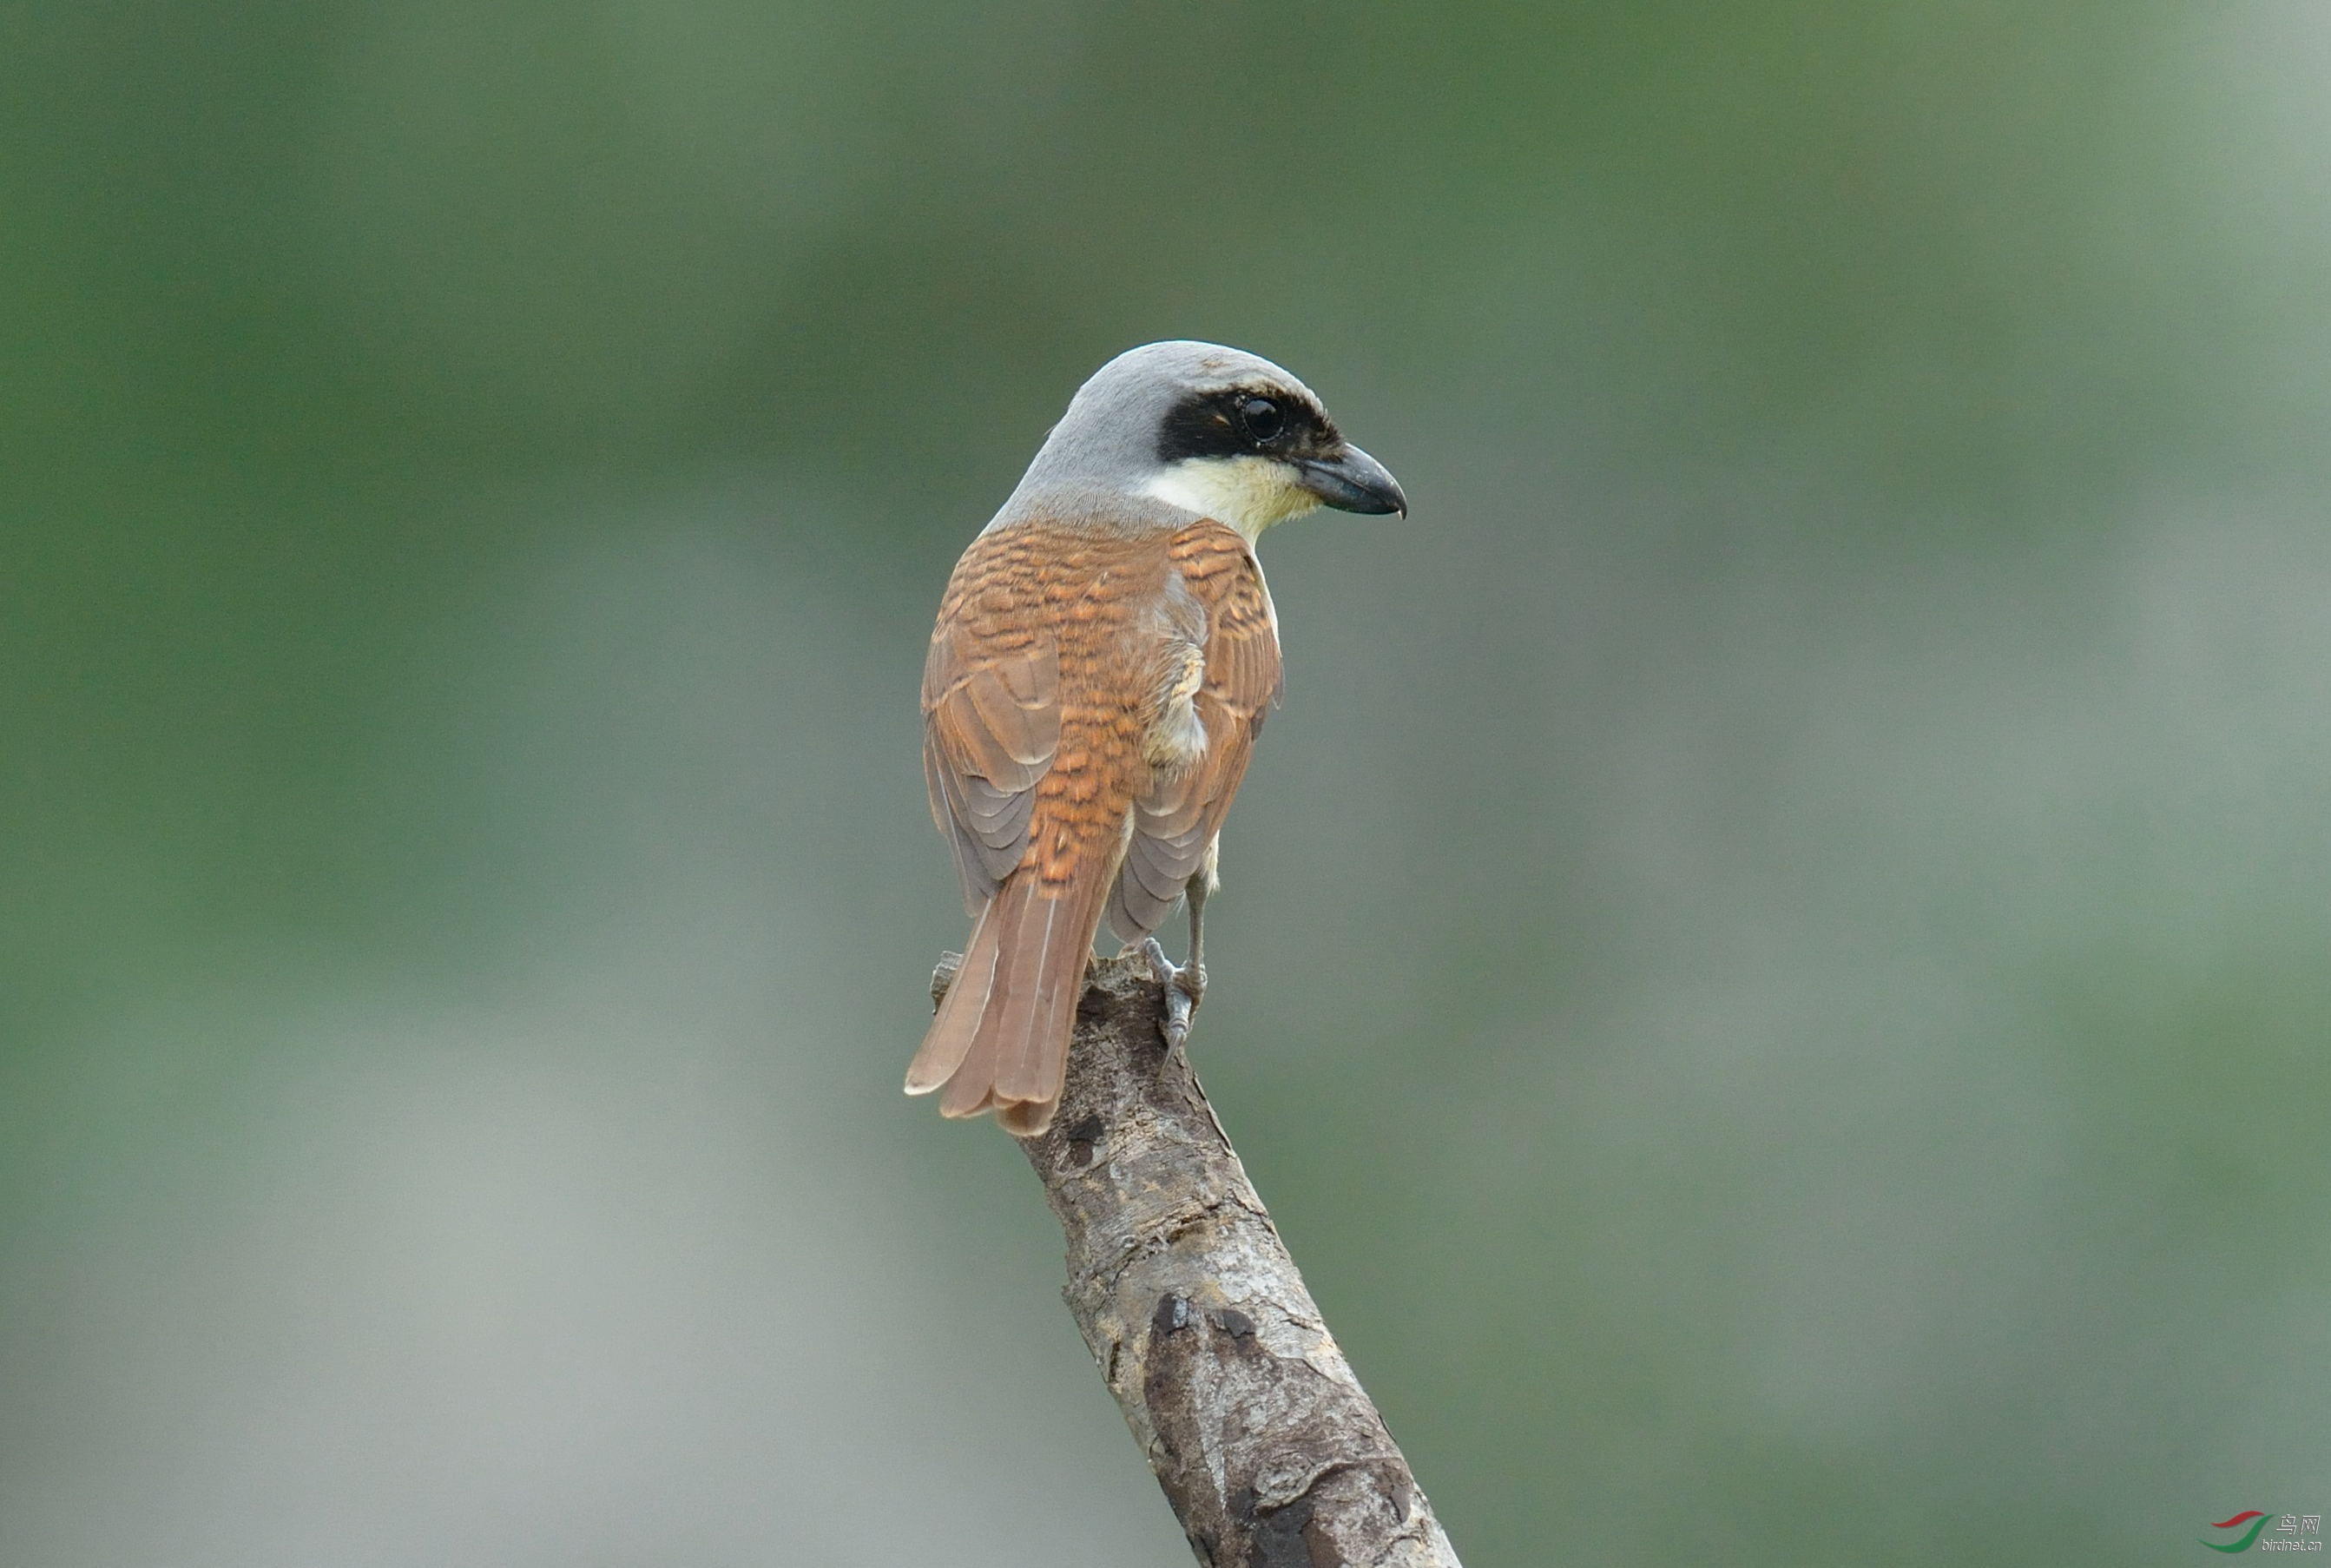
column 1772, row 966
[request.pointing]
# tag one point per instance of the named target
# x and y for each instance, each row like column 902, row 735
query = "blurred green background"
column 1772, row 968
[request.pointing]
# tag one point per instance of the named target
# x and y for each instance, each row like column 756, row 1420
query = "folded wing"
column 1176, row 818
column 992, row 724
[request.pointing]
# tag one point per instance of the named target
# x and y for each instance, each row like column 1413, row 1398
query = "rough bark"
column 1269, row 1452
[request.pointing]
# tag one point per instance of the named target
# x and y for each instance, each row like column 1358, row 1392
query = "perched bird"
column 1105, row 655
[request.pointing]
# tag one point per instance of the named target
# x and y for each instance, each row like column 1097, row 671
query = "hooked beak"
column 1352, row 481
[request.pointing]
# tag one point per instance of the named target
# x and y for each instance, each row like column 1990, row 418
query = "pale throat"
column 1249, row 493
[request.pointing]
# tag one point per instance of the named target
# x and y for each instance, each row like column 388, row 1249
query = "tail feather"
column 949, row 1039
column 1000, row 1042
column 1027, row 1067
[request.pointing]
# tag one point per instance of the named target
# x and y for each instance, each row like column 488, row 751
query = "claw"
column 1184, row 987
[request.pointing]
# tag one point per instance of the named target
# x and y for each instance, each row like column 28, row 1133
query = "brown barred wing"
column 1176, row 818
column 991, row 710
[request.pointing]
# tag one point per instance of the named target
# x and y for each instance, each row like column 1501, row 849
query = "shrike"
column 1105, row 655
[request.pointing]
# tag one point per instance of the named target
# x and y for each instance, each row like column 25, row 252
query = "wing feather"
column 991, row 722
column 1176, row 819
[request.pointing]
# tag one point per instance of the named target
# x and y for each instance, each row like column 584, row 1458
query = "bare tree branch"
column 1269, row 1452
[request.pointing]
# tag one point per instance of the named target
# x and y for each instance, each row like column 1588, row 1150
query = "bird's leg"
column 1184, row 986
column 1193, row 972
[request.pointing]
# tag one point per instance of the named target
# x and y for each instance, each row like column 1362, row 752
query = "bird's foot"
column 1185, row 987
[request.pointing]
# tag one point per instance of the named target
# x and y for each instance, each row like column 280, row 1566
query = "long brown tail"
column 1000, row 1040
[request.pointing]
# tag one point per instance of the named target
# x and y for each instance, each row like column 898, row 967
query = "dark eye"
column 1262, row 418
